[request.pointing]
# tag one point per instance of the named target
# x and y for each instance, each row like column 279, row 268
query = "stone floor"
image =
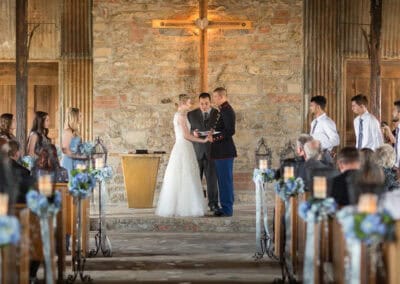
column 160, row 257
column 150, row 249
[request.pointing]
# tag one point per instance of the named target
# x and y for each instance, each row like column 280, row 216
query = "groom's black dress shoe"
column 219, row 213
column 214, row 208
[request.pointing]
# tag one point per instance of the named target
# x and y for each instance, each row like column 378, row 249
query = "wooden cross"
column 203, row 24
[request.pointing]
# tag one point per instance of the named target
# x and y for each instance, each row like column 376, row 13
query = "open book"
column 205, row 133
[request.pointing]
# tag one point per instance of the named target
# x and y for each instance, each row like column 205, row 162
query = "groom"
column 201, row 120
column 223, row 150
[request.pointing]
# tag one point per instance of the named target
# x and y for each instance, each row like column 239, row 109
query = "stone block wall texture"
column 139, row 72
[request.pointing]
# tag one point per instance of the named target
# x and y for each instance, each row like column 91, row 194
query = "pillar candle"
column 368, row 203
column 288, row 172
column 80, row 167
column 3, row 204
column 263, row 164
column 45, row 185
column 98, row 163
column 319, row 187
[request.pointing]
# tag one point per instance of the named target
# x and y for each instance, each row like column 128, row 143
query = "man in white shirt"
column 396, row 119
column 323, row 128
column 366, row 127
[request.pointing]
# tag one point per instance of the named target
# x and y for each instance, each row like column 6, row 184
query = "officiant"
column 201, row 119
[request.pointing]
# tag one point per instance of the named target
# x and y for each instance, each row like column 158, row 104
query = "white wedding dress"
column 181, row 192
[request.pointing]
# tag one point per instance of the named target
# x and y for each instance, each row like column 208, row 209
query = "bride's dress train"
column 181, row 192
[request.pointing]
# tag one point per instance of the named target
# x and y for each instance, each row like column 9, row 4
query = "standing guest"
column 396, row 119
column 7, row 126
column 348, row 161
column 201, row 120
column 223, row 151
column 388, row 134
column 366, row 127
column 71, row 140
column 38, row 136
column 323, row 128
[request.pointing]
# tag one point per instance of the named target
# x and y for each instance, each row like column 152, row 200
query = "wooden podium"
column 140, row 176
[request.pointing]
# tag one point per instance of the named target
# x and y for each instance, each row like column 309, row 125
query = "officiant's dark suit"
column 202, row 122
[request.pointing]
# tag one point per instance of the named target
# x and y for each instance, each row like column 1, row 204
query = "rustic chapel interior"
column 124, row 63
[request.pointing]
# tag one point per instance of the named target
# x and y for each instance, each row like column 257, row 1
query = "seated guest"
column 366, row 155
column 22, row 176
column 312, row 155
column 300, row 160
column 348, row 161
column 295, row 160
column 385, row 157
column 369, row 179
column 48, row 161
column 5, row 173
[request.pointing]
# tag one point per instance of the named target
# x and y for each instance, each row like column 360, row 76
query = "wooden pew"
column 279, row 233
column 15, row 259
column 301, row 239
column 35, row 244
column 392, row 258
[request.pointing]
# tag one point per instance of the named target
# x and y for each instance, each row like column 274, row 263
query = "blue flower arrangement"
column 315, row 210
column 9, row 230
column 103, row 174
column 41, row 205
column 82, row 183
column 267, row 175
column 291, row 187
column 28, row 162
column 368, row 228
column 85, row 148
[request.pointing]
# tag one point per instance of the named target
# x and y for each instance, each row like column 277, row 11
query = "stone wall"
column 139, row 71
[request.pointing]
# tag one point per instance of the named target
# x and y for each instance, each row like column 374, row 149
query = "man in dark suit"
column 201, row 120
column 21, row 175
column 223, row 150
column 348, row 161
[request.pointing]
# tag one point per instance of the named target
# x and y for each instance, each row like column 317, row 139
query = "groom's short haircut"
column 204, row 96
column 220, row 91
column 319, row 100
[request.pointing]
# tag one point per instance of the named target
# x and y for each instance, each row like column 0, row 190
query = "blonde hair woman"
column 181, row 192
column 385, row 157
column 71, row 140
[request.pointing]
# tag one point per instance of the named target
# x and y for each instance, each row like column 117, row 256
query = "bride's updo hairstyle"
column 182, row 99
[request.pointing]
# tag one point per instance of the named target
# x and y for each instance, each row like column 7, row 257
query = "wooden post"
column 375, row 57
column 21, row 56
column 203, row 48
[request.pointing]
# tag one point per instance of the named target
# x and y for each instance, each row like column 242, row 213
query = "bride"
column 181, row 191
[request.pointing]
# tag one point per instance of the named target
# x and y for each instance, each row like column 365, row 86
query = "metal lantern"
column 99, row 161
column 99, row 154
column 287, row 152
column 263, row 155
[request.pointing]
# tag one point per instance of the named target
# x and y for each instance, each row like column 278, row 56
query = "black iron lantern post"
column 263, row 156
column 99, row 161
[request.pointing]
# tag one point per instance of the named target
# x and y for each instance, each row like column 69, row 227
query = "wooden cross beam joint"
column 203, row 24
